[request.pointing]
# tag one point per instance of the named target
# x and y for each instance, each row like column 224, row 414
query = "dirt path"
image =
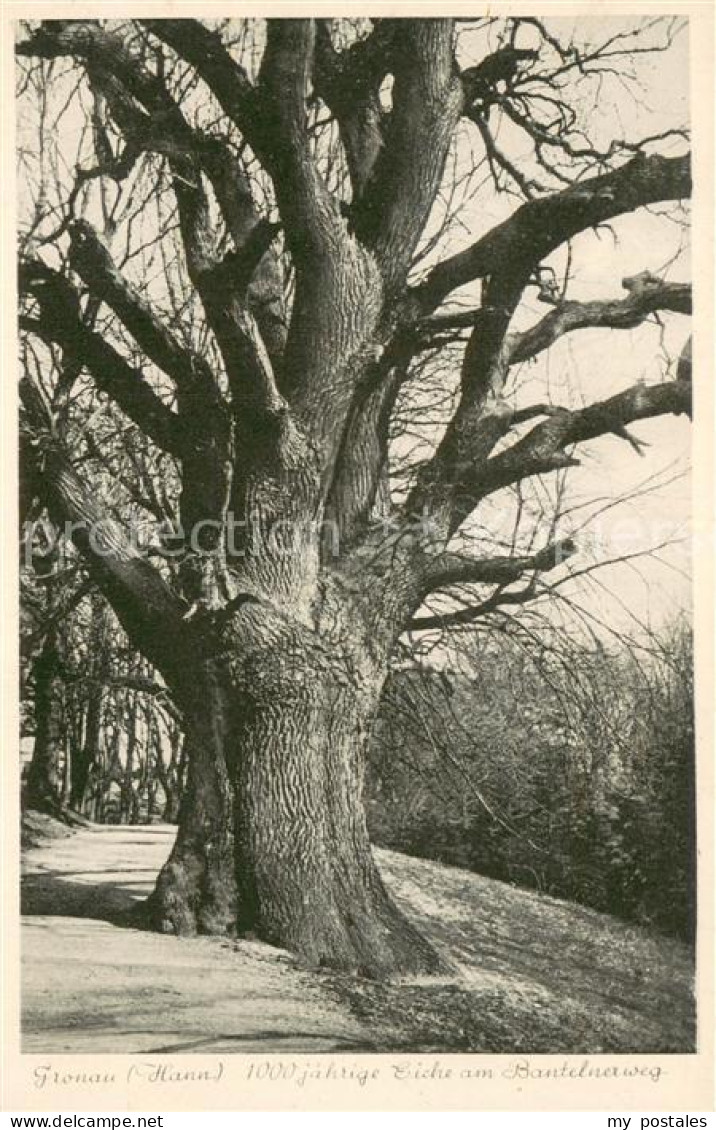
column 92, row 986
column 533, row 974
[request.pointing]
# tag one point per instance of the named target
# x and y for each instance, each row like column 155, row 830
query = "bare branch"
column 540, row 226
column 472, row 612
column 90, row 257
column 60, row 322
column 427, row 101
column 456, row 569
column 145, row 604
column 311, row 216
column 543, row 449
column 647, row 294
column 451, row 569
column 226, row 78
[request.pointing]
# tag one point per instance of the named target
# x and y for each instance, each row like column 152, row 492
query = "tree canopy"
column 278, row 282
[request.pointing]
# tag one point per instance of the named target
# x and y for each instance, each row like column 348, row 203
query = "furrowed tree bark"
column 272, row 834
column 307, row 879
column 196, row 889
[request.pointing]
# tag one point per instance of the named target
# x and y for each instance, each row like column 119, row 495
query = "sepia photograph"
column 355, row 536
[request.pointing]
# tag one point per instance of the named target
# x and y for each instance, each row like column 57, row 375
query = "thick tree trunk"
column 305, row 872
column 196, row 889
column 42, row 788
column 272, row 835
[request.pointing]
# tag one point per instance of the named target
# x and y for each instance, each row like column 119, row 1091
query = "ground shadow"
column 65, row 894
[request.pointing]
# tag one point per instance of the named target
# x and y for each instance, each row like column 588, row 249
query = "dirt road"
column 533, row 974
column 92, row 986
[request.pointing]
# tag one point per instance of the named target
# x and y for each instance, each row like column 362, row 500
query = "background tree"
column 105, row 736
column 246, row 265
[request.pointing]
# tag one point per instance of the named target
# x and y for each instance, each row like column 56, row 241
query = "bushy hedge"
column 570, row 771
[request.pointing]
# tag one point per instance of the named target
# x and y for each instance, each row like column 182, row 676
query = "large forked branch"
column 140, row 102
column 88, row 40
column 540, row 226
column 228, row 81
column 203, row 421
column 508, row 257
column 60, row 322
column 416, row 136
column 468, row 615
column 271, row 116
column 256, row 328
column 647, row 295
column 143, row 601
column 151, row 119
column 349, row 83
column 226, row 78
column 474, row 431
column 462, row 473
column 544, row 448
column 482, row 417
column 331, row 267
column 231, row 86
column 222, row 286
column 90, row 257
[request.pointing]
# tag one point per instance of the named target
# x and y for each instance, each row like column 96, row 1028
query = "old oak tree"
column 293, row 173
